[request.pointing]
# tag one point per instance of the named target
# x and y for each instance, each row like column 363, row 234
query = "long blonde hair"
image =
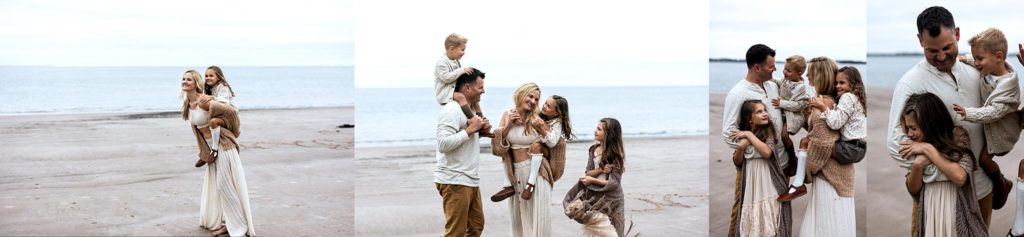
column 200, row 84
column 517, row 97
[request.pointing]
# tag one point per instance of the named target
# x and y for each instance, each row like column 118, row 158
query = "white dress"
column 225, row 194
column 529, row 217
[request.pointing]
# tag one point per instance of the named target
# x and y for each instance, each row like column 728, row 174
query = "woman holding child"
column 515, row 142
column 225, row 205
column 830, row 210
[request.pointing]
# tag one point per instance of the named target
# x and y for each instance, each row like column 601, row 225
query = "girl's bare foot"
column 219, row 232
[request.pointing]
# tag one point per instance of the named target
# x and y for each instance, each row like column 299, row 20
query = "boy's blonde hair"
column 991, row 40
column 797, row 61
column 454, row 40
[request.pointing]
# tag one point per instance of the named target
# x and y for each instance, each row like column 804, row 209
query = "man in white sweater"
column 756, row 85
column 954, row 82
column 456, row 175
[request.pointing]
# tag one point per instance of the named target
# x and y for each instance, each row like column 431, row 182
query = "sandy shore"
column 133, row 174
column 665, row 186
column 723, row 175
column 889, row 204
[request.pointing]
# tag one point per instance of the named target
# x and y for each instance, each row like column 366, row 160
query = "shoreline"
column 155, row 113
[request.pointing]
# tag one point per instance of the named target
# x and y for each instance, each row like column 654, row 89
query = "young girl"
column 218, row 87
column 756, row 210
column 603, row 180
column 553, row 125
column 940, row 177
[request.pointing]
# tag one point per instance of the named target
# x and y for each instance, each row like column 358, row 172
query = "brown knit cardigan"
column 551, row 167
column 228, row 133
column 820, row 156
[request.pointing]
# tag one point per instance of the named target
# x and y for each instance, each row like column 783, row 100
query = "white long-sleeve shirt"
column 743, row 91
column 446, row 71
column 848, row 117
column 554, row 133
column 458, row 153
column 963, row 90
column 223, row 94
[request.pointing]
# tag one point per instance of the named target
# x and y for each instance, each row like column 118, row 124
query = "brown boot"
column 1001, row 188
column 527, row 192
column 788, row 196
column 486, row 133
column 200, row 163
column 504, row 193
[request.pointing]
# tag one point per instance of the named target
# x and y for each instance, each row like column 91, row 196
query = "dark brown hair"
column 938, row 129
column 766, row 132
column 613, row 152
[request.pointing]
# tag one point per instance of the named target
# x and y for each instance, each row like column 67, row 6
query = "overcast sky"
column 833, row 28
column 893, row 24
column 554, row 43
column 174, row 33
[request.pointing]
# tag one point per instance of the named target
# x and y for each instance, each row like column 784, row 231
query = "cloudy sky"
column 833, row 28
column 556, row 43
column 172, row 33
column 892, row 24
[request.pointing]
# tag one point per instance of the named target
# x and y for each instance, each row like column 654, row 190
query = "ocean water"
column 63, row 90
column 724, row 75
column 408, row 116
column 887, row 70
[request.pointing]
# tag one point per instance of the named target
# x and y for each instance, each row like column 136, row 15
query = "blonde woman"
column 225, row 192
column 830, row 210
column 513, row 141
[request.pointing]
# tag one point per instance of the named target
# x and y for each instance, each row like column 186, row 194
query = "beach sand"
column 665, row 186
column 133, row 174
column 889, row 202
column 723, row 175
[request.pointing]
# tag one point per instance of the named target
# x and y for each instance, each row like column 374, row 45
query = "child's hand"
column 775, row 102
column 469, row 70
column 515, row 118
column 960, row 110
column 538, row 123
column 736, row 136
column 587, row 180
column 921, row 161
column 909, row 149
column 804, row 143
column 743, row 143
column 1020, row 54
column 607, row 168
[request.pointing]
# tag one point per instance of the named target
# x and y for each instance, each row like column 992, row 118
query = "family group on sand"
column 949, row 117
column 530, row 141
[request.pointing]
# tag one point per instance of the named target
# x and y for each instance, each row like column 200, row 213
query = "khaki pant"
column 463, row 210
